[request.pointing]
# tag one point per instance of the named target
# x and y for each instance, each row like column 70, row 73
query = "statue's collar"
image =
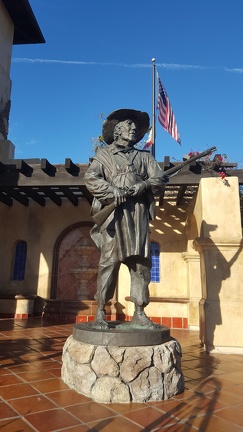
column 120, row 149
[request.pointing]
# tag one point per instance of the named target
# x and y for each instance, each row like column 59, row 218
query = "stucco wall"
column 217, row 213
column 217, row 209
column 39, row 227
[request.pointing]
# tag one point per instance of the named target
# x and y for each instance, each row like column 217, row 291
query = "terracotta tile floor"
column 34, row 398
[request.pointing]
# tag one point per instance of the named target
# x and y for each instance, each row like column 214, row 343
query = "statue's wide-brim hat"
column 139, row 117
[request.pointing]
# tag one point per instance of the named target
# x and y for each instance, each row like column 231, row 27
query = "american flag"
column 166, row 116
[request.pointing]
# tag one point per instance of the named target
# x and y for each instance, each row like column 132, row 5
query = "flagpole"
column 153, row 106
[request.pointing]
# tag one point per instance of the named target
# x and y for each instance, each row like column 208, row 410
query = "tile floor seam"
column 66, row 406
column 11, row 418
column 65, row 409
column 72, row 415
column 41, row 394
column 53, row 430
column 68, row 429
column 128, row 419
column 116, row 412
column 230, row 421
column 27, row 383
column 171, row 422
column 29, row 424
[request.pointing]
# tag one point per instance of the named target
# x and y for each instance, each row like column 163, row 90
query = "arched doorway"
column 74, row 276
column 77, row 263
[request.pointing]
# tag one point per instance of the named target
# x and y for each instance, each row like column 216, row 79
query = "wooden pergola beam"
column 23, row 167
column 70, row 195
column 48, row 168
column 15, row 194
column 6, row 199
column 50, row 193
column 32, row 193
column 71, row 167
column 181, row 194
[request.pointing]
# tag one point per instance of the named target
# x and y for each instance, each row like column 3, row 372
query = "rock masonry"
column 113, row 374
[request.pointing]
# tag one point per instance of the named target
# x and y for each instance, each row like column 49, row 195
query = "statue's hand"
column 137, row 189
column 119, row 195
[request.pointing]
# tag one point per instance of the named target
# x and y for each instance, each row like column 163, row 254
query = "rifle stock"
column 101, row 216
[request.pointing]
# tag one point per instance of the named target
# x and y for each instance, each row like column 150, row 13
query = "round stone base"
column 121, row 374
column 120, row 334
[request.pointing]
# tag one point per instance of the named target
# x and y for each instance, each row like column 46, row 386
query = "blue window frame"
column 19, row 260
column 155, row 269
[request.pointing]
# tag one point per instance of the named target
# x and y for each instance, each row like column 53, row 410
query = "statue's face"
column 128, row 132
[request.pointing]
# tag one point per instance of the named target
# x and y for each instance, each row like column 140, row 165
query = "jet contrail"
column 235, row 70
column 170, row 66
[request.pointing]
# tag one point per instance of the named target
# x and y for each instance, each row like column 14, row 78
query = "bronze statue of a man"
column 129, row 178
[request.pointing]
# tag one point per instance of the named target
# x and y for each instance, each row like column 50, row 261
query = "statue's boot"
column 140, row 319
column 100, row 321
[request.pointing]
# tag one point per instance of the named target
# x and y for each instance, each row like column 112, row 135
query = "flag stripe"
column 165, row 113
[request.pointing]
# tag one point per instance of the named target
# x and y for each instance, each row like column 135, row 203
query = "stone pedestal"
column 123, row 374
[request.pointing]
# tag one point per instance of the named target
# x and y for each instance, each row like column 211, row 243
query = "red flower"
column 222, row 175
column 193, row 153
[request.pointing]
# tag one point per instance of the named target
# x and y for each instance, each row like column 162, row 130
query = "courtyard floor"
column 34, row 398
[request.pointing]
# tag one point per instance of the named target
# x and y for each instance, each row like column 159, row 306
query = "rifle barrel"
column 188, row 161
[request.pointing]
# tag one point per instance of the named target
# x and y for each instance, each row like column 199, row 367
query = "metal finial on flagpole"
column 153, row 106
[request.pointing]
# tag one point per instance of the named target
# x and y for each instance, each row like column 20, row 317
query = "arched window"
column 19, row 261
column 155, row 269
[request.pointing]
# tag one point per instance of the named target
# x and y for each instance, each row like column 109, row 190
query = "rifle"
column 101, row 216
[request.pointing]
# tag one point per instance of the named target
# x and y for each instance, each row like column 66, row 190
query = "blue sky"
column 97, row 58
